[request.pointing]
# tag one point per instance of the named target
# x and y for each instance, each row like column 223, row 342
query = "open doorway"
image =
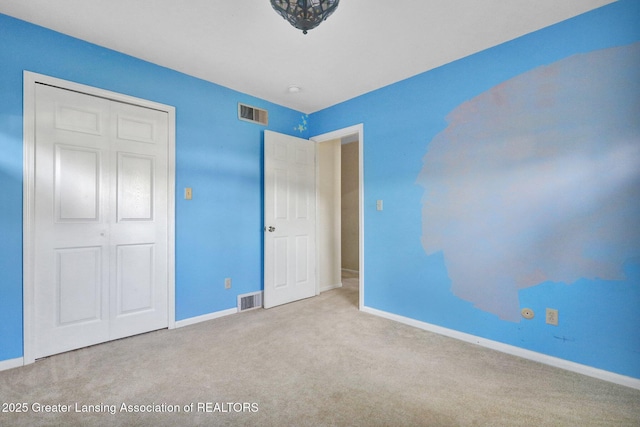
column 340, row 210
column 349, row 211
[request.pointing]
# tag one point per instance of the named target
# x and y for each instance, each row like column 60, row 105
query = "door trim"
column 28, row 189
column 341, row 133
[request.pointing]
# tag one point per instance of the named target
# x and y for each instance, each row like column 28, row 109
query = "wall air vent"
column 250, row 301
column 253, row 114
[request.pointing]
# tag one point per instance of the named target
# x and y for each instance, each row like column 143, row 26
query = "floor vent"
column 253, row 114
column 249, row 301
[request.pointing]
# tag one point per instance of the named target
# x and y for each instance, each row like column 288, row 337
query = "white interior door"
column 290, row 214
column 100, row 256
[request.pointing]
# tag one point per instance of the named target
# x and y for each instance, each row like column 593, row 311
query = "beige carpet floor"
column 317, row 362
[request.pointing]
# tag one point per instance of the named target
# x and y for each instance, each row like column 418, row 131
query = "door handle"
column 270, row 229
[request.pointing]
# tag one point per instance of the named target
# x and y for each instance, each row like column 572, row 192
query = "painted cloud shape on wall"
column 538, row 179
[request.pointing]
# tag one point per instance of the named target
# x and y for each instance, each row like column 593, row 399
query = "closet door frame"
column 29, row 122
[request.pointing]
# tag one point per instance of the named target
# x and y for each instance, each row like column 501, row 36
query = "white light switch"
column 379, row 205
column 188, row 194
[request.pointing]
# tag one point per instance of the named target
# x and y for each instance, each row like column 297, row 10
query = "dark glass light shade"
column 305, row 14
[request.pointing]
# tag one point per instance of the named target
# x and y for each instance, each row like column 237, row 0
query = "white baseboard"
column 329, row 287
column 348, row 270
column 513, row 350
column 205, row 317
column 11, row 363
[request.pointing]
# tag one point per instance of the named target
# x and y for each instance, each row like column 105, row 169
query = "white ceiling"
column 246, row 46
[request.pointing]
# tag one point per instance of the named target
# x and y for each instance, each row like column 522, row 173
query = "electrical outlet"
column 552, row 316
column 227, row 283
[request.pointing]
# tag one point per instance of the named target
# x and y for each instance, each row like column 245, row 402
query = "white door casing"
column 98, row 241
column 290, row 213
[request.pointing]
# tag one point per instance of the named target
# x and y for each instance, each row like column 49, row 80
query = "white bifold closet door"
column 101, row 226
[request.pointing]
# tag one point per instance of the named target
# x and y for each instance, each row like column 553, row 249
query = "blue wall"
column 598, row 317
column 218, row 233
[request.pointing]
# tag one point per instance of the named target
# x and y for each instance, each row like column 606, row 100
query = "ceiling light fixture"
column 294, row 89
column 305, row 14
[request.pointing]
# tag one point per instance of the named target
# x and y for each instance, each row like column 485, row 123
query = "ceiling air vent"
column 253, row 114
